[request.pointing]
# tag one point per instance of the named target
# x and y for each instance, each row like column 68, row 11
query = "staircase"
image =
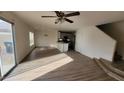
column 109, row 69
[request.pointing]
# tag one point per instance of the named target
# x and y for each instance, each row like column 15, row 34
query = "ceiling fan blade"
column 72, row 14
column 68, row 20
column 48, row 16
column 58, row 13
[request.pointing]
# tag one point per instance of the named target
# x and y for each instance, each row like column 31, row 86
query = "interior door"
column 7, row 51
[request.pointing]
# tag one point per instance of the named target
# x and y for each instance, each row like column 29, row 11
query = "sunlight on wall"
column 40, row 71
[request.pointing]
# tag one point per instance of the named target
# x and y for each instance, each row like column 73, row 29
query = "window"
column 7, row 47
column 31, row 38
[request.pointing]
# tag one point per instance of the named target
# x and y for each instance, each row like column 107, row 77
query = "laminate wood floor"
column 79, row 68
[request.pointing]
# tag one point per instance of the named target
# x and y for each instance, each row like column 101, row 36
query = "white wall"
column 50, row 40
column 21, row 35
column 116, row 30
column 92, row 42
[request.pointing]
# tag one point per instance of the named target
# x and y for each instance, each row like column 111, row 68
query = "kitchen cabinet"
column 63, row 47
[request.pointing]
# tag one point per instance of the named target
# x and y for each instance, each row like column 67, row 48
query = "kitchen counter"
column 62, row 46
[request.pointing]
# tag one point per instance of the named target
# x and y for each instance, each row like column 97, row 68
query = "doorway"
column 68, row 36
column 7, row 47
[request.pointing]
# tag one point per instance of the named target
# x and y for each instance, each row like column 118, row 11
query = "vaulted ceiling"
column 86, row 18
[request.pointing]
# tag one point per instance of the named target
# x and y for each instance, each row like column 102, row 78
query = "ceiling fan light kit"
column 59, row 20
column 62, row 17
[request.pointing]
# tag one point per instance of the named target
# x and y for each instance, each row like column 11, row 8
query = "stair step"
column 110, row 67
column 105, row 66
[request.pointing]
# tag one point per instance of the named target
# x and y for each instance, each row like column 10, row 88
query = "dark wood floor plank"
column 82, row 68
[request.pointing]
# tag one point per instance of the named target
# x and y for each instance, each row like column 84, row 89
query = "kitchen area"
column 66, row 41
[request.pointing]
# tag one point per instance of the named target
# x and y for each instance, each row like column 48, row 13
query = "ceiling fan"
column 61, row 16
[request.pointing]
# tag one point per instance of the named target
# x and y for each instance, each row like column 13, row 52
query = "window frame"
column 31, row 39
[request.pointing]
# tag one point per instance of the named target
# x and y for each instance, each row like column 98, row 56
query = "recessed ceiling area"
column 86, row 18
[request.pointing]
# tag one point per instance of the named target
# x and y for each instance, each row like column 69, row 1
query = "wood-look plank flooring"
column 38, row 53
column 81, row 68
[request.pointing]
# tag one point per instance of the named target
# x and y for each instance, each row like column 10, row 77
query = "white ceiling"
column 86, row 18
